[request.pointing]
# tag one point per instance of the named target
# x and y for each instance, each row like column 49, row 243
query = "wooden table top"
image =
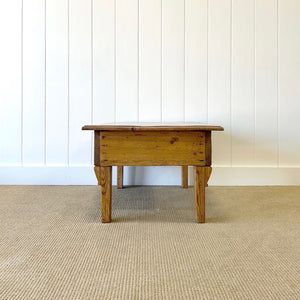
column 153, row 126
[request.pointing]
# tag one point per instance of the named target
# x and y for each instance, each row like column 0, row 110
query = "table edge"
column 152, row 128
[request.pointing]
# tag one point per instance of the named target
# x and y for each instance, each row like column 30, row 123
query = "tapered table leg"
column 184, row 176
column 103, row 175
column 199, row 190
column 120, row 177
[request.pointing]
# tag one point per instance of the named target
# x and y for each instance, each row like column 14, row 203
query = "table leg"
column 199, row 190
column 103, row 175
column 120, row 177
column 184, row 176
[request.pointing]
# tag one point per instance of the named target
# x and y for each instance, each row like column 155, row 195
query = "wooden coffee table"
column 152, row 144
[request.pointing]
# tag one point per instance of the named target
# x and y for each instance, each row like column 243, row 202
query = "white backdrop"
column 67, row 63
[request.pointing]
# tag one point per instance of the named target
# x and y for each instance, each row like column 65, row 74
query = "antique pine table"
column 152, row 144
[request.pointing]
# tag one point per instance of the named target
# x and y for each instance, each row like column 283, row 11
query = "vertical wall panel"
column 173, row 60
column 33, row 82
column 127, row 60
column 10, row 78
column 266, row 133
column 196, row 60
column 66, row 63
column 242, row 82
column 219, row 75
column 57, row 82
column 289, row 79
column 80, row 85
column 104, row 61
column 150, row 60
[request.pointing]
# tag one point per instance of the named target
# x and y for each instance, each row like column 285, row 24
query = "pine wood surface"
column 120, row 177
column 152, row 148
column 184, row 176
column 153, row 126
column 199, row 193
column 106, row 190
column 152, row 144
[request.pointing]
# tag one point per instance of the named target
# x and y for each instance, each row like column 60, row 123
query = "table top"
column 153, row 126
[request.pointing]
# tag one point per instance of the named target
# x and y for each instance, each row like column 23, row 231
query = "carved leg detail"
column 97, row 173
column 207, row 174
column 120, row 177
column 184, row 176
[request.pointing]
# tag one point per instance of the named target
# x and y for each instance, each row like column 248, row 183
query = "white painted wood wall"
column 66, row 63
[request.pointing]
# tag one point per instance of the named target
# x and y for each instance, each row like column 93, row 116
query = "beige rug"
column 53, row 246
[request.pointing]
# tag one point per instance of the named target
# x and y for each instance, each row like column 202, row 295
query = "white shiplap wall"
column 66, row 63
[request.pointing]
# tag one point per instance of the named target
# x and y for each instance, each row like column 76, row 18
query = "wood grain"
column 153, row 126
column 120, row 177
column 148, row 148
column 152, row 148
column 208, row 148
column 199, row 193
column 106, row 192
column 184, row 176
column 97, row 148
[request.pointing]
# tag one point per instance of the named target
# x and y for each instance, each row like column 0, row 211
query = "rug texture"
column 53, row 245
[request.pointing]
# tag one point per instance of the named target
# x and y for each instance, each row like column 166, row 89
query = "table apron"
column 152, row 148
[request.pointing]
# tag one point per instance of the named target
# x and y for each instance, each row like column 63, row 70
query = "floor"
column 53, row 245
